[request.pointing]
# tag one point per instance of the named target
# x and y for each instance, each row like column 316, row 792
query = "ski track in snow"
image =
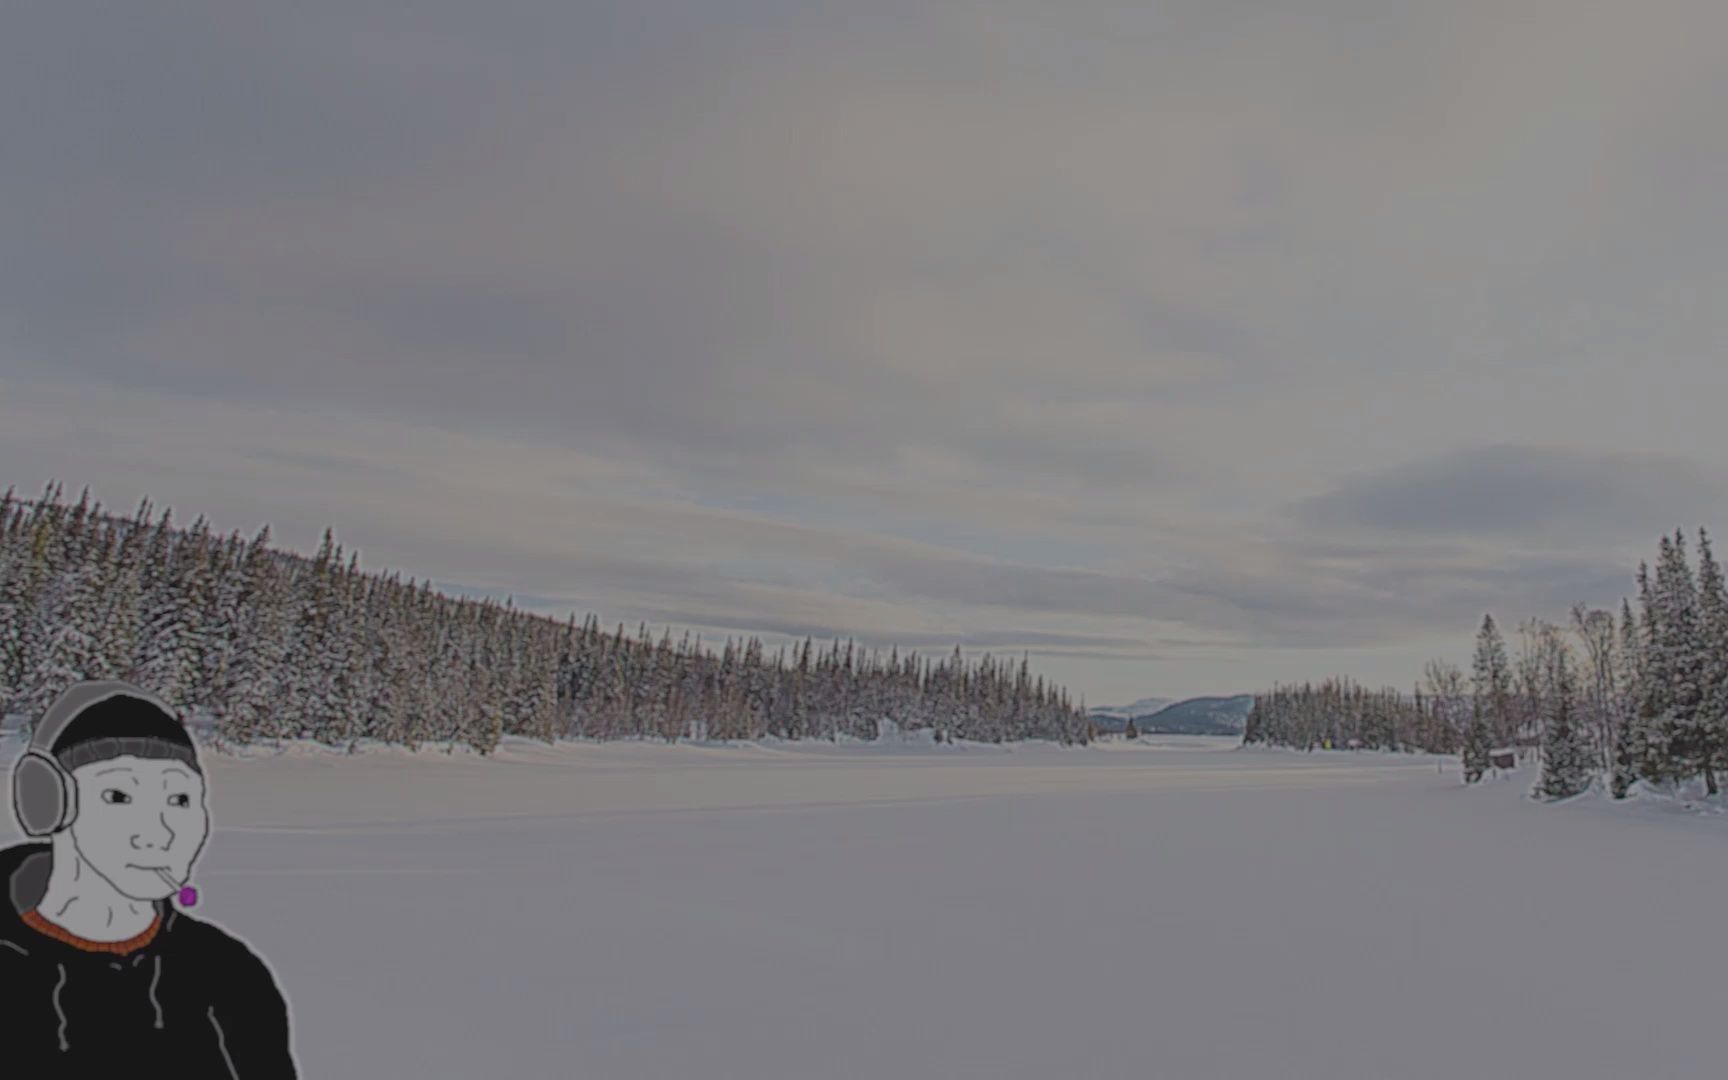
column 1176, row 909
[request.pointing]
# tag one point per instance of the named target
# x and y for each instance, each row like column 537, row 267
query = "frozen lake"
column 1175, row 910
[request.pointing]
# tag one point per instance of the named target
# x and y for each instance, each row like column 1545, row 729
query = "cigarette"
column 172, row 884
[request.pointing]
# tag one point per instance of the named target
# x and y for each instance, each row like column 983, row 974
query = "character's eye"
column 114, row 795
column 179, row 800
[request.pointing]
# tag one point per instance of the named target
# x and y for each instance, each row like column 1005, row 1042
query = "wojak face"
column 138, row 817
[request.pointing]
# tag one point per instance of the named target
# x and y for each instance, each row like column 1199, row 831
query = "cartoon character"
column 97, row 968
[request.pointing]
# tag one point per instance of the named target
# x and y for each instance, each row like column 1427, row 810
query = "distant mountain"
column 1201, row 716
column 1194, row 716
column 1146, row 706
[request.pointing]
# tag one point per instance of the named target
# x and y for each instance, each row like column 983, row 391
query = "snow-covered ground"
column 1174, row 909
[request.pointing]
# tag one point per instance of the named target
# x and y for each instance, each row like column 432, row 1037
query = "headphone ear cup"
column 42, row 796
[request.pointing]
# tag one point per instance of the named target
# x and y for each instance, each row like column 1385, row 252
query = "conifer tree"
column 1490, row 714
column 15, row 603
column 1645, row 742
column 1674, row 744
column 221, row 618
column 1565, row 751
column 166, row 647
column 42, row 552
column 1477, row 744
column 249, row 681
column 1627, row 749
column 1711, row 663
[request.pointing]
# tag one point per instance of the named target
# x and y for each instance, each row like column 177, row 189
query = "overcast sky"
column 1188, row 346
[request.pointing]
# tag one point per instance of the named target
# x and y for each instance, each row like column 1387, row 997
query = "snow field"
column 1175, row 909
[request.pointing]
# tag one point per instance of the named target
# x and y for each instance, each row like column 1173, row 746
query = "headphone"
column 44, row 795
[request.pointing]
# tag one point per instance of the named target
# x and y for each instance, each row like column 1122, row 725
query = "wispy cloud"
column 1513, row 492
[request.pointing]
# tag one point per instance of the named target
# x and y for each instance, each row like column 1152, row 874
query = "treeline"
column 1340, row 714
column 1638, row 697
column 273, row 645
column 1435, row 717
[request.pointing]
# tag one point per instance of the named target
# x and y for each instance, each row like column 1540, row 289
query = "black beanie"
column 122, row 725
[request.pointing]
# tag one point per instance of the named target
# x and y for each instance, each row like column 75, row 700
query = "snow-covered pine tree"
column 1566, row 758
column 468, row 716
column 1632, row 737
column 586, row 672
column 390, row 634
column 1651, row 729
column 106, row 627
column 1696, row 750
column 315, row 654
column 570, row 655
column 14, row 573
column 1492, row 681
column 222, row 620
column 70, row 610
column 246, row 685
column 42, row 561
column 195, row 582
column 412, row 685
column 164, row 646
column 353, row 654
column 80, row 641
column 542, row 718
column 1712, row 663
column 1673, row 686
column 124, row 594
column 1490, row 711
column 47, row 597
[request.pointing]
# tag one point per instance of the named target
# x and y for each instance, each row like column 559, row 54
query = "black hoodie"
column 192, row 1002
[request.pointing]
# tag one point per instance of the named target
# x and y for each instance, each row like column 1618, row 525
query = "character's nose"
column 158, row 838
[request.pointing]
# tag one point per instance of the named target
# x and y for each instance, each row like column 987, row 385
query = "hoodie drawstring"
column 153, row 980
column 57, row 1009
column 60, row 1011
column 222, row 1043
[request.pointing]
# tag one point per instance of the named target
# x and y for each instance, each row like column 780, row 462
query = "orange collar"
column 34, row 919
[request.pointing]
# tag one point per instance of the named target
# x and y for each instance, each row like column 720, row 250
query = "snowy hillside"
column 1192, row 716
column 1202, row 716
column 1144, row 707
